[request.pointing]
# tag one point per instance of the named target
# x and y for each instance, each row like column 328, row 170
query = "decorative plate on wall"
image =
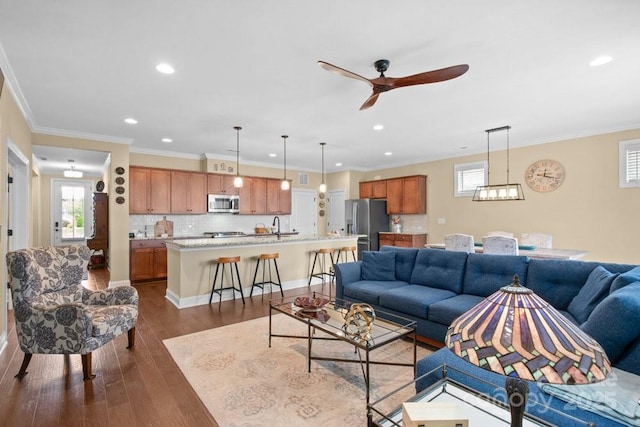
column 321, row 212
column 321, row 195
column 99, row 186
column 119, row 180
column 120, row 190
column 119, row 200
column 321, row 204
column 120, row 170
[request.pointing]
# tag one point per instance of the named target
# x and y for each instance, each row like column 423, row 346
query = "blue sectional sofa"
column 434, row 286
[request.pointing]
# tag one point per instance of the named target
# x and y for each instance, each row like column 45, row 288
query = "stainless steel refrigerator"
column 366, row 217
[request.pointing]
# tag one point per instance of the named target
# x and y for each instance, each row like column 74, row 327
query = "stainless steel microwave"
column 223, row 203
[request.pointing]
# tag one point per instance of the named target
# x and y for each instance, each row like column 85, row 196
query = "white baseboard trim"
column 119, row 283
column 3, row 341
column 227, row 295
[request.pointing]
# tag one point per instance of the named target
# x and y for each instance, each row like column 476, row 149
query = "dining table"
column 532, row 251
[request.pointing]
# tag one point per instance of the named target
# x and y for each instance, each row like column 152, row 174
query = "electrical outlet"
column 441, row 221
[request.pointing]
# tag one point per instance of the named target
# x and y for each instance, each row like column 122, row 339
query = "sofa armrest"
column 346, row 272
column 113, row 296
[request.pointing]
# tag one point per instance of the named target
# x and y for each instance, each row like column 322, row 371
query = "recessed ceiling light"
column 600, row 60
column 388, row 153
column 378, row 127
column 131, row 121
column 338, row 164
column 167, row 140
column 272, row 154
column 165, row 68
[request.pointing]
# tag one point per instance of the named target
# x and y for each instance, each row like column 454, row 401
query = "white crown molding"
column 12, row 84
column 82, row 135
column 164, row 153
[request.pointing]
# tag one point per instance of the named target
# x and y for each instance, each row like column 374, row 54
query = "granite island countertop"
column 208, row 242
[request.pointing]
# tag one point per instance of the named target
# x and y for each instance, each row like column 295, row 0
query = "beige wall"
column 118, row 213
column 13, row 127
column 589, row 211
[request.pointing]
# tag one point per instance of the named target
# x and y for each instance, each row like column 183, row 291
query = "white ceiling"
column 81, row 67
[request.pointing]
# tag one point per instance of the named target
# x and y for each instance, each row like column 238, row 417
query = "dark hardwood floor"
column 142, row 386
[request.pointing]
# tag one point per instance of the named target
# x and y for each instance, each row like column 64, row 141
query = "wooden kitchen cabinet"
column 147, row 260
column 253, row 196
column 278, row 200
column 218, row 183
column 406, row 240
column 188, row 192
column 407, row 195
column 373, row 189
column 149, row 190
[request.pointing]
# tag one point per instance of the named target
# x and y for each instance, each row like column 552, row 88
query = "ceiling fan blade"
column 343, row 72
column 370, row 101
column 434, row 76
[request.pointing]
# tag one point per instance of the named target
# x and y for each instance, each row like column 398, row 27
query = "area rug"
column 243, row 382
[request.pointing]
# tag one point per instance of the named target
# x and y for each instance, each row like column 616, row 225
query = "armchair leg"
column 131, row 334
column 25, row 363
column 86, row 367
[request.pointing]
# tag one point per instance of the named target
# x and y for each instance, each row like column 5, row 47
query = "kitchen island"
column 191, row 262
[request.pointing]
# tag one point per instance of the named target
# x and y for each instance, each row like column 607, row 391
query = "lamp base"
column 517, row 393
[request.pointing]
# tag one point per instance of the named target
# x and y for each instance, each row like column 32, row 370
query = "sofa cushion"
column 405, row 261
column 625, row 279
column 594, row 290
column 614, row 322
column 446, row 311
column 569, row 316
column 378, row 265
column 439, row 269
column 486, row 274
column 369, row 290
column 558, row 281
column 413, row 299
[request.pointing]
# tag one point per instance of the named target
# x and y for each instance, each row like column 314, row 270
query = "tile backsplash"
column 196, row 225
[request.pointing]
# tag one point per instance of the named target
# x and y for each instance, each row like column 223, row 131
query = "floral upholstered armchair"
column 55, row 314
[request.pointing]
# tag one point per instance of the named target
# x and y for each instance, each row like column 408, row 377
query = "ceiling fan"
column 384, row 83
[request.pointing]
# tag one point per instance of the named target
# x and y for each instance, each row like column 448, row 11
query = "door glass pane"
column 73, row 219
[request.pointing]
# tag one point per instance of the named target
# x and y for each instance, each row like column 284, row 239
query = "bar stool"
column 232, row 262
column 322, row 263
column 266, row 258
column 343, row 254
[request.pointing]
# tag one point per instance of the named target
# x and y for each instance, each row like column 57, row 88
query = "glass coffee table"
column 330, row 319
column 480, row 408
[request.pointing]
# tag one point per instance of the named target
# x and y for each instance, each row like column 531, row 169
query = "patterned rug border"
column 243, row 382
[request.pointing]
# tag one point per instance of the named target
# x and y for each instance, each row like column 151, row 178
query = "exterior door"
column 71, row 211
column 303, row 211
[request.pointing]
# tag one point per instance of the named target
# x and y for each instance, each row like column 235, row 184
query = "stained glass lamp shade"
column 516, row 333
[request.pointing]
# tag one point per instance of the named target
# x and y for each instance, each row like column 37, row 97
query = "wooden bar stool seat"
column 343, row 254
column 325, row 269
column 267, row 260
column 232, row 262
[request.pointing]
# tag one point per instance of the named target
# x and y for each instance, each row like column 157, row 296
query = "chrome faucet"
column 276, row 219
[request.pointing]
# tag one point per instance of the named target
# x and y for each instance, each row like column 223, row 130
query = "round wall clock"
column 544, row 175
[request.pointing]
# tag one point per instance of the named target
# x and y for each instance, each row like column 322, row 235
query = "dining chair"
column 500, row 245
column 500, row 233
column 539, row 240
column 459, row 242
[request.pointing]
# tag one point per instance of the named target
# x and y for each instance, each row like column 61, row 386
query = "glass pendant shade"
column 285, row 185
column 323, row 186
column 237, row 181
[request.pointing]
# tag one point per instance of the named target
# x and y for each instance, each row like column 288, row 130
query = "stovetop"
column 218, row 234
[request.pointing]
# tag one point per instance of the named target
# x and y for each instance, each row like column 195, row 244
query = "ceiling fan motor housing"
column 382, row 65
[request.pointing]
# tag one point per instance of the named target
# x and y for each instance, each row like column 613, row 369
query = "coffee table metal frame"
column 331, row 320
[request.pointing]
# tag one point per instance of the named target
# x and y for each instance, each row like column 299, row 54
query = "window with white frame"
column 467, row 176
column 630, row 163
